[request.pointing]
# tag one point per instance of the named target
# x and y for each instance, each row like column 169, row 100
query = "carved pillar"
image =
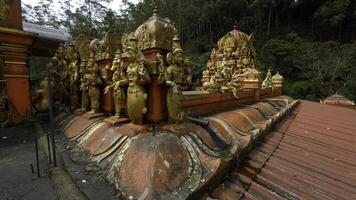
column 155, row 36
column 14, row 51
column 156, row 101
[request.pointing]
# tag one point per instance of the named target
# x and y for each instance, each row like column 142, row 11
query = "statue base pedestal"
column 114, row 121
column 131, row 130
column 89, row 115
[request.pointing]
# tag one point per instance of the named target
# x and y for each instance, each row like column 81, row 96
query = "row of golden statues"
column 126, row 74
column 78, row 79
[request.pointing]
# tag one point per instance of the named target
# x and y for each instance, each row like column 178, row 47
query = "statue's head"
column 177, row 51
column 131, row 54
column 178, row 57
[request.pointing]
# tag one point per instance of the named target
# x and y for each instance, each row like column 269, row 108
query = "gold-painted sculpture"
column 227, row 65
column 267, row 83
column 58, row 66
column 176, row 76
column 41, row 102
column 93, row 81
column 82, row 44
column 119, row 81
column 155, row 27
column 4, row 9
column 137, row 77
column 73, row 76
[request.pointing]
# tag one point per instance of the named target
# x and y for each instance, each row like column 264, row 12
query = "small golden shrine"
column 232, row 65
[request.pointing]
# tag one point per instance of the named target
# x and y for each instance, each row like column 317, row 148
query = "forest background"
column 310, row 42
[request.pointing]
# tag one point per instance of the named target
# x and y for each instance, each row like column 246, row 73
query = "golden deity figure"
column 85, row 101
column 62, row 73
column 93, row 82
column 267, row 83
column 234, row 85
column 73, row 76
column 118, row 84
column 210, row 67
column 218, row 81
column 82, row 44
column 137, row 76
column 175, row 77
column 58, row 63
column 41, row 102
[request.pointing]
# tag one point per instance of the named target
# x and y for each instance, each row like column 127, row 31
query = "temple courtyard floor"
column 17, row 153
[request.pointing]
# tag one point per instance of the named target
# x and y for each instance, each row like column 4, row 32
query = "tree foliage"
column 310, row 42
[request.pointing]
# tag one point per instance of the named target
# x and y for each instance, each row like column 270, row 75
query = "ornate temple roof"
column 338, row 99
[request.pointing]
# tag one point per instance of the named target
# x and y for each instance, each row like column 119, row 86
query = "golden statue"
column 119, row 81
column 83, row 86
column 41, row 103
column 267, row 83
column 61, row 73
column 175, row 77
column 137, row 77
column 235, row 83
column 218, row 82
column 93, row 82
column 82, row 44
column 73, row 76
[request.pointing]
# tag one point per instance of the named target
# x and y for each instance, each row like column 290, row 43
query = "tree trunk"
column 269, row 20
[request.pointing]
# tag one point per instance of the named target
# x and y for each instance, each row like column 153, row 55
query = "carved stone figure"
column 175, row 77
column 137, row 77
column 119, row 81
column 267, row 83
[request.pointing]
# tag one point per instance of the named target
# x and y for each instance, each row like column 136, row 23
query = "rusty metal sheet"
column 310, row 155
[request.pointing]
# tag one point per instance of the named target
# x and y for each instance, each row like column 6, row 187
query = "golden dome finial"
column 155, row 11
